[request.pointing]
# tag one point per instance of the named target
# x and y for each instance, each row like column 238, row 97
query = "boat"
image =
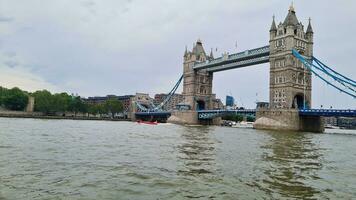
column 147, row 122
column 243, row 125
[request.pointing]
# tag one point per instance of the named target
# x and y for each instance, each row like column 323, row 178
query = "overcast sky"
column 100, row 47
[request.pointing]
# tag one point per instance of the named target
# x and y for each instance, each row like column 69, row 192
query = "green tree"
column 95, row 109
column 3, row 93
column 101, row 109
column 61, row 102
column 77, row 105
column 113, row 106
column 15, row 99
column 250, row 118
column 44, row 102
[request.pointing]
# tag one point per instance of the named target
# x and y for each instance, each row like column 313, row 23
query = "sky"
column 101, row 47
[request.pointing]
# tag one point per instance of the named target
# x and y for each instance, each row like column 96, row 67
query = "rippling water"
column 63, row 159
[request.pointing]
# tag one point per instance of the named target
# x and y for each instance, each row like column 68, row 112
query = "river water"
column 64, row 159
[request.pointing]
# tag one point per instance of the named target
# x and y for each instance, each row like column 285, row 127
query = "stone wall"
column 287, row 119
column 184, row 117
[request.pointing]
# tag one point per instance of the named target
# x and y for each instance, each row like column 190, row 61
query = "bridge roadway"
column 211, row 114
column 237, row 60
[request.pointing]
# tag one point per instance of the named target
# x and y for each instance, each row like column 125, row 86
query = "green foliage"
column 95, row 109
column 47, row 103
column 61, row 102
column 52, row 103
column 44, row 102
column 14, row 99
column 3, row 92
column 250, row 119
column 113, row 106
column 77, row 105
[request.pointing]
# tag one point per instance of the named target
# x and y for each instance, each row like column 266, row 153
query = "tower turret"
column 211, row 56
column 310, row 31
column 273, row 29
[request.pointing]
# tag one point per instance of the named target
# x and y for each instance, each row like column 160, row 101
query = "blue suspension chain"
column 346, row 78
column 164, row 102
column 310, row 65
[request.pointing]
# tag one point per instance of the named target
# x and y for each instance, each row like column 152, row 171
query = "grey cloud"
column 11, row 63
column 6, row 19
column 88, row 3
column 137, row 46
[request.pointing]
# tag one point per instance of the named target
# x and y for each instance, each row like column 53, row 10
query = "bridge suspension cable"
column 164, row 102
column 324, row 73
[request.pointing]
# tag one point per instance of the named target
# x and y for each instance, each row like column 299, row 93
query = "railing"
column 327, row 112
column 233, row 57
column 211, row 114
column 238, row 64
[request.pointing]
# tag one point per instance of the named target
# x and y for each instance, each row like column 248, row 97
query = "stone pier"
column 190, row 117
column 287, row 119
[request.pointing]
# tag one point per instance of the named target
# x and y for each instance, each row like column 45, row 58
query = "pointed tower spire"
column 310, row 29
column 198, row 48
column 186, row 51
column 211, row 56
column 291, row 7
column 291, row 19
column 273, row 26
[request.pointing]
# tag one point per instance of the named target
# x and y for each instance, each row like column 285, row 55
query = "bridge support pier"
column 287, row 119
column 190, row 117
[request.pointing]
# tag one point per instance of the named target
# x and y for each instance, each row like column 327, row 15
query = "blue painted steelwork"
column 241, row 59
column 327, row 112
column 321, row 70
column 165, row 101
column 154, row 114
column 211, row 114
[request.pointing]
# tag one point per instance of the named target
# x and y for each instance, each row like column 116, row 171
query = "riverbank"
column 38, row 115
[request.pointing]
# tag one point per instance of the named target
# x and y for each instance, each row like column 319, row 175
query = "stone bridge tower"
column 290, row 81
column 197, row 84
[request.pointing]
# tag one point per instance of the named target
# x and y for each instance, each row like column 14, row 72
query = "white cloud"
column 19, row 76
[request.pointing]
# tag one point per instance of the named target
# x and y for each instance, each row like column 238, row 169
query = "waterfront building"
column 171, row 104
column 346, row 122
column 332, row 121
column 230, row 101
column 125, row 100
column 218, row 104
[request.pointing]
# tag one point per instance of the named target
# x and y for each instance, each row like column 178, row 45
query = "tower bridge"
column 290, row 54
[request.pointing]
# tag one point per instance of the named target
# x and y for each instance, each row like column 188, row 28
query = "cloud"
column 14, row 74
column 6, row 19
column 95, row 47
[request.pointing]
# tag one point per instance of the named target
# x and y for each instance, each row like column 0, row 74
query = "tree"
column 113, row 106
column 3, row 93
column 61, row 102
column 95, row 109
column 77, row 105
column 44, row 102
column 15, row 99
column 251, row 118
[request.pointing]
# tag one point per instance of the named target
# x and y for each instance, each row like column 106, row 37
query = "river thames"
column 64, row 159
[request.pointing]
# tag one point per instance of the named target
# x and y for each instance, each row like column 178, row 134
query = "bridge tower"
column 290, row 81
column 197, row 84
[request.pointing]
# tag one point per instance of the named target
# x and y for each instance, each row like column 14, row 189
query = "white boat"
column 243, row 125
